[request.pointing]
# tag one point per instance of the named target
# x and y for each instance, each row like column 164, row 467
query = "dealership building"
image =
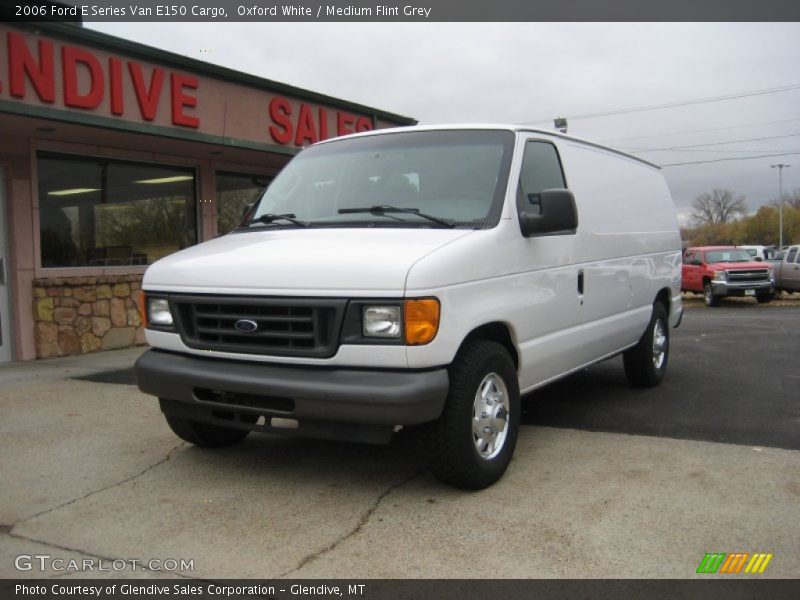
column 114, row 154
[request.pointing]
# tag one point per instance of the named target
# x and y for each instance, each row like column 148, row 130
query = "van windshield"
column 406, row 179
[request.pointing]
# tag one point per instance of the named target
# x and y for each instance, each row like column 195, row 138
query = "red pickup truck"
column 719, row 271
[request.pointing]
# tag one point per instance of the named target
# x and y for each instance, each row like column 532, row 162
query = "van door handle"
column 580, row 282
column 2, row 270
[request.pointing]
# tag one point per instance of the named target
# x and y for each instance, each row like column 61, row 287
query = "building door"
column 5, row 307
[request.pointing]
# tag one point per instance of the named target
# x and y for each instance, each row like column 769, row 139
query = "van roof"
column 493, row 126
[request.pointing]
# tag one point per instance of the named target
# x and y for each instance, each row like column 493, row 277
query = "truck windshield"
column 715, row 256
column 426, row 179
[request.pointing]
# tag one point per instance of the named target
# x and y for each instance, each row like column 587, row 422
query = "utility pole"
column 780, row 167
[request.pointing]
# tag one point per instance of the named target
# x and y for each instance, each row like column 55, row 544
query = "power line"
column 735, row 96
column 774, row 137
column 642, row 137
column 702, row 162
column 727, row 151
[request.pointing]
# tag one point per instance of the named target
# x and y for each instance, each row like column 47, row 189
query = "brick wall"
column 77, row 315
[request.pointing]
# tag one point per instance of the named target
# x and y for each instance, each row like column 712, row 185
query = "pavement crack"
column 359, row 526
column 103, row 489
column 25, row 538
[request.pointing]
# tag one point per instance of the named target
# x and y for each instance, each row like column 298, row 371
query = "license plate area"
column 749, row 292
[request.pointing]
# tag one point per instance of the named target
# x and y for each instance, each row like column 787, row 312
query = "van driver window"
column 541, row 170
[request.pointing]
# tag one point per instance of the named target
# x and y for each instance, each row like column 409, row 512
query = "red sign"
column 304, row 127
column 43, row 71
column 35, row 69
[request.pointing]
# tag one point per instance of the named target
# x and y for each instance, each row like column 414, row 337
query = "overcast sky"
column 532, row 72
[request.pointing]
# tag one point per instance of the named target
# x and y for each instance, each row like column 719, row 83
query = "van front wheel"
column 204, row 435
column 471, row 444
column 646, row 363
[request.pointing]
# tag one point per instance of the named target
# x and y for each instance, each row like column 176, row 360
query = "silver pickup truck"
column 786, row 267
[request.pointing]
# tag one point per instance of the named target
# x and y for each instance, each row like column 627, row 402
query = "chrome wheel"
column 659, row 344
column 646, row 363
column 490, row 416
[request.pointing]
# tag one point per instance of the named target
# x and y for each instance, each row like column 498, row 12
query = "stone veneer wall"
column 77, row 315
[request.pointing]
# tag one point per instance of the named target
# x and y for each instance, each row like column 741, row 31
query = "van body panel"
column 532, row 284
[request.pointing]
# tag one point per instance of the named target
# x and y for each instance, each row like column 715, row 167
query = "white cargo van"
column 421, row 276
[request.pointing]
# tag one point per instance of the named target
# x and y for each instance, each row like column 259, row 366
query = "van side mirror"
column 758, row 259
column 697, row 262
column 557, row 215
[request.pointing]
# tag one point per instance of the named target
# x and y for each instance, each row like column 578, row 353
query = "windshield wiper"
column 270, row 218
column 384, row 209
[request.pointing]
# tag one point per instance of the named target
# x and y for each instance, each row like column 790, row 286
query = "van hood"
column 291, row 261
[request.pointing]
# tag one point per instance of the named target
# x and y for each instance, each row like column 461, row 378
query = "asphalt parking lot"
column 607, row 481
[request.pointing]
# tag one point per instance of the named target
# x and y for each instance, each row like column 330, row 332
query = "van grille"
column 280, row 326
column 748, row 275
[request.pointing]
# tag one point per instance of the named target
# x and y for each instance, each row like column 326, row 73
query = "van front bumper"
column 208, row 389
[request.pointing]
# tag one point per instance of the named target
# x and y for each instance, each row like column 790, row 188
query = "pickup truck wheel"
column 764, row 298
column 646, row 363
column 708, row 296
column 204, row 435
column 471, row 444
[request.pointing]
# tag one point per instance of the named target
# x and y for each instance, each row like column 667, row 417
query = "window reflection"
column 97, row 212
column 234, row 192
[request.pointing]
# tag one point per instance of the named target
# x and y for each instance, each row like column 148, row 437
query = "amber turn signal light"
column 421, row 320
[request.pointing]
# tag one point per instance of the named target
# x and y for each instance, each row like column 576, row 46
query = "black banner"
column 406, row 589
column 405, row 11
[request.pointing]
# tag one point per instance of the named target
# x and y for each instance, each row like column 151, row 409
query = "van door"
column 5, row 309
column 550, row 288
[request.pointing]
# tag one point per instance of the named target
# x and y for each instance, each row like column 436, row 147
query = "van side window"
column 792, row 254
column 541, row 170
column 687, row 258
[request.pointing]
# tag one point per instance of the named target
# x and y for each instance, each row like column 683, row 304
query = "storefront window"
column 234, row 192
column 97, row 212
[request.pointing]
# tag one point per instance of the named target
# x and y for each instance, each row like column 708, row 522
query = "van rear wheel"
column 204, row 435
column 646, row 363
column 472, row 442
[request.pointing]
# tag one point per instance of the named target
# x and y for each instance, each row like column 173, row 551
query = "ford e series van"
column 418, row 277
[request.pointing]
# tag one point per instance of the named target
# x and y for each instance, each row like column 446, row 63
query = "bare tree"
column 790, row 199
column 793, row 199
column 717, row 208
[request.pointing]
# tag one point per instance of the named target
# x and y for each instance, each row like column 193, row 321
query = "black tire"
column 764, row 298
column 644, row 365
column 708, row 296
column 204, row 435
column 453, row 447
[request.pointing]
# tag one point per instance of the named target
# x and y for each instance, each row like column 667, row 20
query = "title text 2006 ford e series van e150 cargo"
column 421, row 276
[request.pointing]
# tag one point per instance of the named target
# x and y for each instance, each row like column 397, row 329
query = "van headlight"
column 413, row 321
column 720, row 276
column 158, row 312
column 381, row 322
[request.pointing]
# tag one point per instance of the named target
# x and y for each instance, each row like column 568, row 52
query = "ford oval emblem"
column 245, row 325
